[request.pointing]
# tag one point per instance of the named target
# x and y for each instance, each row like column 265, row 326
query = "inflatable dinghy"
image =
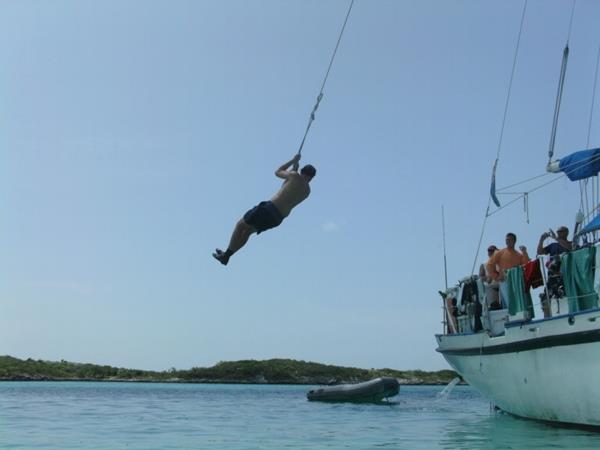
column 370, row 391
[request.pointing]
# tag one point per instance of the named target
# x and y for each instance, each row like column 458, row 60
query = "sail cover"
column 582, row 164
column 592, row 226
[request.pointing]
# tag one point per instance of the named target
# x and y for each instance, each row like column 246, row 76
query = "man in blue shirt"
column 560, row 246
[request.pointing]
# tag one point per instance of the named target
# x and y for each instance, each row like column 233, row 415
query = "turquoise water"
column 72, row 415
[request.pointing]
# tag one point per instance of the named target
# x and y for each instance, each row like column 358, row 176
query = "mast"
column 561, row 82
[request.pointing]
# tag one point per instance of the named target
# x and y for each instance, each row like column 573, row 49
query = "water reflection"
column 498, row 430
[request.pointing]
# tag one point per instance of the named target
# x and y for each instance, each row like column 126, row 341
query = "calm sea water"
column 49, row 415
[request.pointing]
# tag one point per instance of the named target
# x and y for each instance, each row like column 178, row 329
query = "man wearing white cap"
column 561, row 244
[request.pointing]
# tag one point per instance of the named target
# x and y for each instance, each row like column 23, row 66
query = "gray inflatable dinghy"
column 370, row 391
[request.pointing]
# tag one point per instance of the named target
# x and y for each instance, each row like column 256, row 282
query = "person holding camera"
column 560, row 246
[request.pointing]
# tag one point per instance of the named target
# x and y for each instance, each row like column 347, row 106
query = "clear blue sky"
column 134, row 134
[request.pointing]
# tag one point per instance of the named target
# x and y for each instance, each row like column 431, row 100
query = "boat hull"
column 546, row 370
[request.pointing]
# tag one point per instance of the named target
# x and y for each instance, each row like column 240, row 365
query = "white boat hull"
column 546, row 369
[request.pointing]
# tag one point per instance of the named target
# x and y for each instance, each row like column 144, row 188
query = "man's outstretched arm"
column 283, row 172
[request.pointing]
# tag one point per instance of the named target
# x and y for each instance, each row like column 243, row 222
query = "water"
column 445, row 393
column 49, row 415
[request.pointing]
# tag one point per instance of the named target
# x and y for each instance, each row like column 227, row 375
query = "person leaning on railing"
column 491, row 286
column 554, row 283
column 505, row 259
column 560, row 246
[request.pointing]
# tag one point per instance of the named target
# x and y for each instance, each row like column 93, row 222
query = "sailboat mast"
column 561, row 82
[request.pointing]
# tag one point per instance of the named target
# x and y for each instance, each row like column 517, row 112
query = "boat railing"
column 567, row 285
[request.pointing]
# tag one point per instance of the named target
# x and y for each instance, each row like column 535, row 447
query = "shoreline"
column 257, row 372
column 254, row 383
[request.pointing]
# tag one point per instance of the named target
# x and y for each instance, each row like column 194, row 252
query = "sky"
column 133, row 135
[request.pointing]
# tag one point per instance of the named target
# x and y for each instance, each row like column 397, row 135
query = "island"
column 272, row 371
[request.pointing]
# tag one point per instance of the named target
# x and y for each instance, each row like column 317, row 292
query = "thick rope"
column 320, row 96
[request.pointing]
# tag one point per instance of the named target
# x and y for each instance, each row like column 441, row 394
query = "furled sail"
column 493, row 186
column 578, row 165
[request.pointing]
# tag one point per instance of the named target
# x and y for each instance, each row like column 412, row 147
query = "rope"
column 526, row 193
column 593, row 99
column 595, row 184
column 566, row 169
column 480, row 238
column 510, row 83
column 571, row 21
column 512, row 74
column 320, row 96
column 501, row 190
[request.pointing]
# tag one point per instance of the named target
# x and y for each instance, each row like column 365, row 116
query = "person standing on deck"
column 560, row 246
column 491, row 286
column 269, row 214
column 505, row 259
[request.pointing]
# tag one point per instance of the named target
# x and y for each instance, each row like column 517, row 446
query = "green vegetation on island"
column 272, row 371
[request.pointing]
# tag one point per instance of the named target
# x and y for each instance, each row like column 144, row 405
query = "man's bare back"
column 294, row 190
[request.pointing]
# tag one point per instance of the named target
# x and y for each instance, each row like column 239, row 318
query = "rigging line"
column 481, row 235
column 526, row 193
column 444, row 244
column 510, row 82
column 593, row 99
column 512, row 74
column 505, row 205
column 593, row 190
column 575, row 165
column 587, row 205
column 320, row 96
column 571, row 21
column 593, row 211
column 546, row 184
column 522, row 182
column 581, row 195
column 595, row 182
column 568, row 168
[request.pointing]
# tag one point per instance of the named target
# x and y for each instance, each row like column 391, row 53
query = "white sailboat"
column 545, row 368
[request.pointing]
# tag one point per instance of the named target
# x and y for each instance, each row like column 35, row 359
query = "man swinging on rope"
column 270, row 214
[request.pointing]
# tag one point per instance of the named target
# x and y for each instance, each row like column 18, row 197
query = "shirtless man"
column 270, row 214
column 505, row 259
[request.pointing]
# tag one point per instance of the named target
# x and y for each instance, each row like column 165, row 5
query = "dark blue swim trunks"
column 263, row 216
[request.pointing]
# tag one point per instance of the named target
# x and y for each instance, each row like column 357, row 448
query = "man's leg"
column 239, row 237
